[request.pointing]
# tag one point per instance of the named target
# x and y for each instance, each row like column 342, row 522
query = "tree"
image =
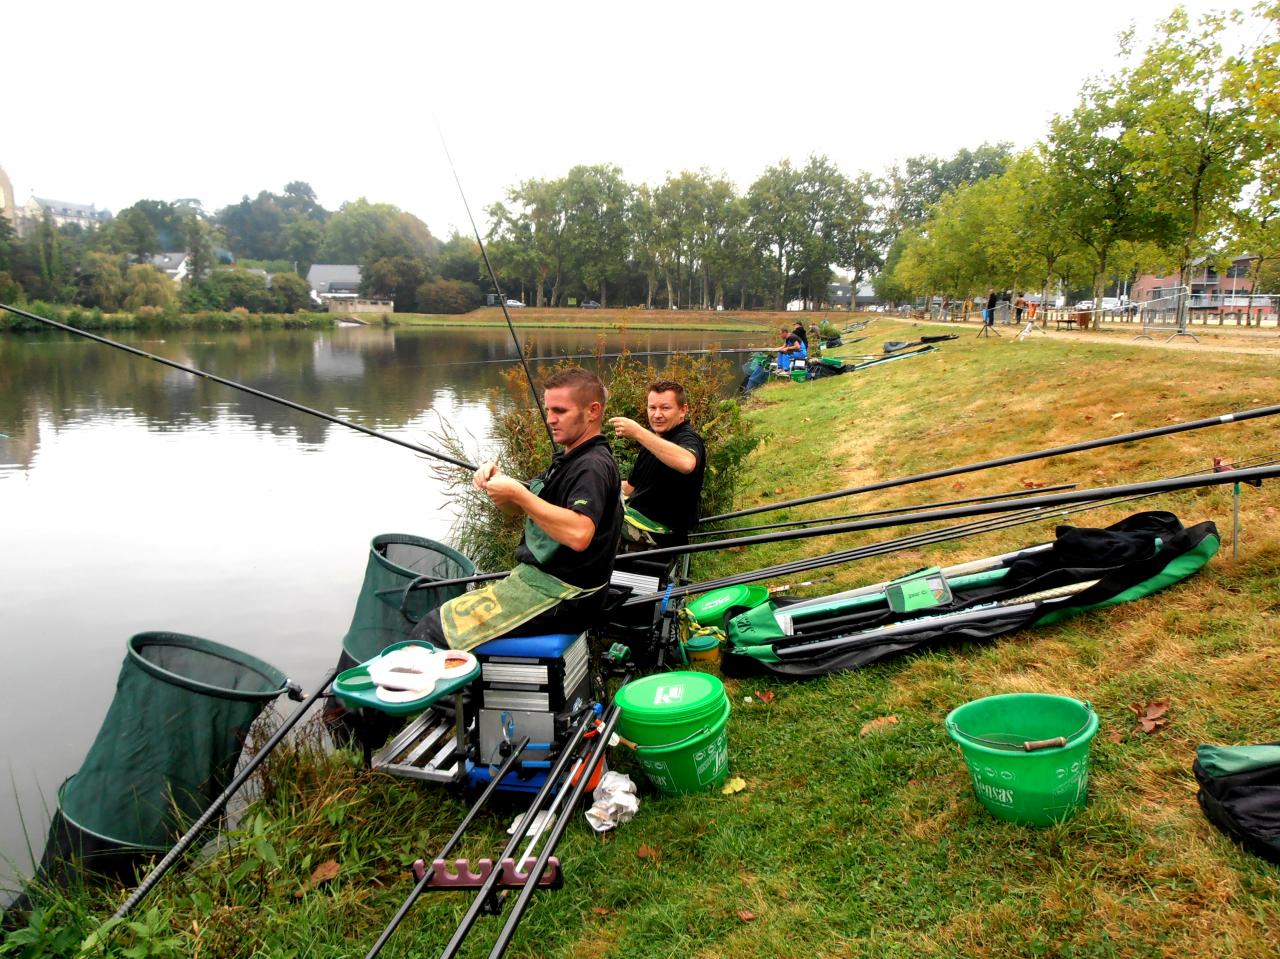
column 460, row 260
column 448, row 296
column 859, row 236
column 7, row 237
column 1093, row 180
column 1192, row 143
column 291, row 292
column 145, row 286
column 395, row 277
column 595, row 203
column 101, row 282
column 351, row 234
column 229, row 289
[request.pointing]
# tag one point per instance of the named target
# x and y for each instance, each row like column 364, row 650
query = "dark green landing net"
column 395, row 561
column 167, row 748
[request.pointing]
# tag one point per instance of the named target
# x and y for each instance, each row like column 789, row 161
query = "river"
column 137, row 497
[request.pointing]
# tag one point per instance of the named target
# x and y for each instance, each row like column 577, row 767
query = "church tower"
column 7, row 206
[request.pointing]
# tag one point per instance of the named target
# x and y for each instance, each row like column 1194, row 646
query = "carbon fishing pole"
column 1009, row 460
column 881, row 512
column 502, row 300
column 1171, row 484
column 443, row 457
column 912, row 541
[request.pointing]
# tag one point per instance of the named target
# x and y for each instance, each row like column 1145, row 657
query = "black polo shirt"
column 585, row 480
column 665, row 495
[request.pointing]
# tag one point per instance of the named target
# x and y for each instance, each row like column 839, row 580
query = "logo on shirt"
column 581, row 502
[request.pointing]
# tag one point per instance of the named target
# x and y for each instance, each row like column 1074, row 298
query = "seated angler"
column 573, row 520
column 793, row 348
column 665, row 484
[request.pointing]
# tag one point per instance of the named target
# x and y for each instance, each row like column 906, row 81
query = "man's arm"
column 669, row 454
column 565, row 526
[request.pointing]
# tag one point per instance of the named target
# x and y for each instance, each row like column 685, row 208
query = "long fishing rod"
column 1009, row 460
column 912, row 541
column 592, row 356
column 240, row 386
column 881, row 512
column 1172, row 484
column 502, row 299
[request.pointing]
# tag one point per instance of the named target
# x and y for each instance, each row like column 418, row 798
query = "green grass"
column 843, row 844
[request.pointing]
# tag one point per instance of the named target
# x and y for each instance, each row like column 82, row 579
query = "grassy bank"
column 852, row 839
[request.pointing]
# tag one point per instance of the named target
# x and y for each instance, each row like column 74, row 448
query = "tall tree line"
column 1165, row 165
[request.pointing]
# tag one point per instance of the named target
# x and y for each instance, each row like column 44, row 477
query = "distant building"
column 839, row 295
column 62, row 212
column 337, row 286
column 176, row 266
column 1210, row 290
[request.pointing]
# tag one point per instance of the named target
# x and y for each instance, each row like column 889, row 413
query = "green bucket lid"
column 701, row 643
column 664, row 699
column 709, row 608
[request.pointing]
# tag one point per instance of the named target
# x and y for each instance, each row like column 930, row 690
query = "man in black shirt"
column 666, row 482
column 573, row 520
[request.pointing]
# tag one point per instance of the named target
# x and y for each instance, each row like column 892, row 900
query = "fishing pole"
column 881, row 512
column 912, row 541
column 240, row 386
column 1172, row 484
column 592, row 356
column 502, row 300
column 217, row 805
column 1009, row 460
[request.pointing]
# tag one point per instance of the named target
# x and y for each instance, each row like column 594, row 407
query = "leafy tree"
column 302, row 239
column 858, row 234
column 460, row 260
column 145, row 286
column 395, row 277
column 133, row 232
column 7, row 238
column 10, row 290
column 291, row 292
column 595, row 203
column 228, row 289
column 101, row 281
column 199, row 248
column 353, row 233
column 1093, row 179
column 531, row 235
column 1192, row 142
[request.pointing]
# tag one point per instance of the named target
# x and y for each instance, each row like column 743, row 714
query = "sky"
column 219, row 101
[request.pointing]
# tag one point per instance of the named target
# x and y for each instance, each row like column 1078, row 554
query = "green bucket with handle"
column 677, row 722
column 1027, row 754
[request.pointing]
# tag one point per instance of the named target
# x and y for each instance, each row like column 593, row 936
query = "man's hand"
column 505, row 492
column 480, row 479
column 628, row 429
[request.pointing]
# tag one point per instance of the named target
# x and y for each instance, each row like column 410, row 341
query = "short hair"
column 586, row 385
column 670, row 386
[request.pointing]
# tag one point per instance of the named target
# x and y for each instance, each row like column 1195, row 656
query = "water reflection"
column 136, row 497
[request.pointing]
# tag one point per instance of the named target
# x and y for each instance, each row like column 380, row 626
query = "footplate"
column 431, row 748
column 459, row 874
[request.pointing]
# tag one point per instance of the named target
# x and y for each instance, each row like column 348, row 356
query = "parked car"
column 1085, row 305
column 589, row 305
column 1111, row 303
column 514, row 303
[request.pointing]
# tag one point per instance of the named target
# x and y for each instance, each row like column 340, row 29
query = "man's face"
column 569, row 420
column 665, row 412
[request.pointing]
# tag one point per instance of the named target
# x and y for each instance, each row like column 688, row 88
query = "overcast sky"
column 216, row 101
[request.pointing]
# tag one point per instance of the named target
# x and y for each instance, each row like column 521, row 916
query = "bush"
column 448, row 296
column 522, row 449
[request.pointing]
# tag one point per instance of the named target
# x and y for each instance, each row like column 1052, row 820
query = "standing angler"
column 573, row 519
column 665, row 484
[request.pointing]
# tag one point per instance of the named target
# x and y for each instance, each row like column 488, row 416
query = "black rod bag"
column 1135, row 557
column 1240, row 794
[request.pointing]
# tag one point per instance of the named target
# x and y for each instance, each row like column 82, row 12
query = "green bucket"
column 799, row 376
column 678, row 724
column 1027, row 753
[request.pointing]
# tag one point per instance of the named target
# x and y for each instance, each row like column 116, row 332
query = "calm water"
column 136, row 497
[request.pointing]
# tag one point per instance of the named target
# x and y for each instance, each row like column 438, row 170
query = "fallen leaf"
column 1032, row 484
column 734, row 785
column 746, row 915
column 1115, row 736
column 875, row 725
column 1150, row 715
column 324, row 872
column 648, row 852
column 1116, row 416
column 764, row 697
column 601, row 910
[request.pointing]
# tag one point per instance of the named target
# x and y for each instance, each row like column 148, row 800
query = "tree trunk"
column 604, row 294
